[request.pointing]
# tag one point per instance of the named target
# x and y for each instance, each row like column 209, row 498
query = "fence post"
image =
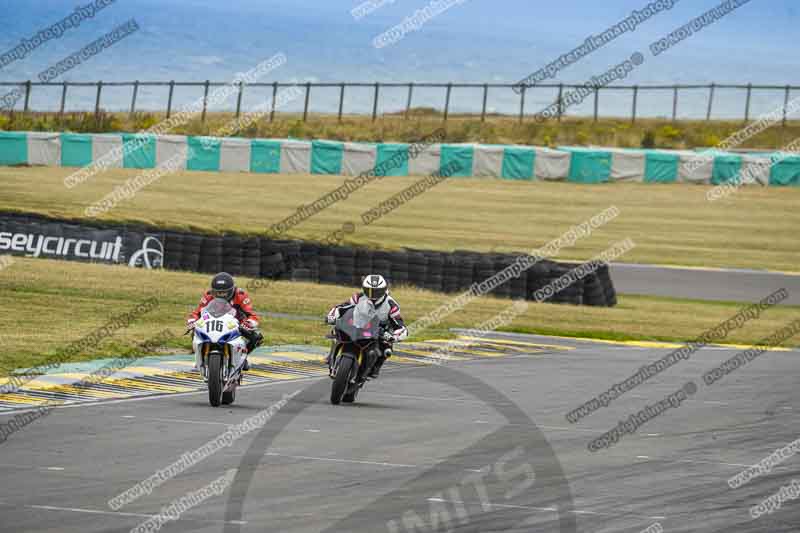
column 133, row 97
column 522, row 90
column 274, row 96
column 308, row 97
column 63, row 99
column 785, row 105
column 560, row 101
column 596, row 100
column 27, row 96
column 635, row 100
column 747, row 102
column 205, row 102
column 239, row 98
column 341, row 100
column 375, row 101
column 97, row 101
column 447, row 101
column 408, row 101
column 710, row 102
column 674, row 103
column 169, row 98
column 485, row 96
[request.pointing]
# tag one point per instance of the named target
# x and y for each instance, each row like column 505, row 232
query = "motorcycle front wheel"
column 344, row 369
column 215, row 378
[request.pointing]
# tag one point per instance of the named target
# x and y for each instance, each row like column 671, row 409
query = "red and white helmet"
column 375, row 288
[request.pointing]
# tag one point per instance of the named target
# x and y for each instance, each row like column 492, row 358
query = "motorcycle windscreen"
column 364, row 313
column 218, row 307
column 360, row 322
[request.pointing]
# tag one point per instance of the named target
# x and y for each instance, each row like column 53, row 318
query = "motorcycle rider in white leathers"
column 376, row 289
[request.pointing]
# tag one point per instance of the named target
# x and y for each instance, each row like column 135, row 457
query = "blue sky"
column 476, row 41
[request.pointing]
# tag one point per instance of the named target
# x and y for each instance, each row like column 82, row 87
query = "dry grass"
column 670, row 223
column 52, row 303
column 499, row 129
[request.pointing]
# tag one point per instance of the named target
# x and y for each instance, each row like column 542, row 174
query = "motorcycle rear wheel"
column 350, row 397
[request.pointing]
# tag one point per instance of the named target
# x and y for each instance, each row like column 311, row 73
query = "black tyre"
column 173, row 250
column 302, row 274
column 344, row 368
column 350, row 397
column 215, row 379
column 190, row 261
column 272, row 265
column 593, row 293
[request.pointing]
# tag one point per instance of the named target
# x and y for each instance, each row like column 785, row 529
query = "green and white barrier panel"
column 290, row 156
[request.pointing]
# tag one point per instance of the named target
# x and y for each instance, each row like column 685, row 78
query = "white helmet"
column 375, row 288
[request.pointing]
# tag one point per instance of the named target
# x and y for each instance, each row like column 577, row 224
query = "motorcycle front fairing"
column 360, row 327
column 360, row 323
column 218, row 328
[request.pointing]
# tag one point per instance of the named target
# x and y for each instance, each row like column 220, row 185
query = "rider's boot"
column 198, row 366
column 329, row 359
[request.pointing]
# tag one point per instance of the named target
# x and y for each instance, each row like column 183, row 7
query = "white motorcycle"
column 220, row 350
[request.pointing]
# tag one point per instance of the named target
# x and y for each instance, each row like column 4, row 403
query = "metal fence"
column 635, row 92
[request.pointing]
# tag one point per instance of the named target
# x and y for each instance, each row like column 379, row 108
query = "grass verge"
column 50, row 304
column 670, row 223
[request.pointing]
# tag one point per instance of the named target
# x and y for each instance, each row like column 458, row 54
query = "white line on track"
column 540, row 426
column 698, row 461
column 429, row 398
column 551, row 509
column 179, row 420
column 119, row 513
column 335, row 460
column 709, row 462
column 29, row 467
column 564, row 428
column 442, row 500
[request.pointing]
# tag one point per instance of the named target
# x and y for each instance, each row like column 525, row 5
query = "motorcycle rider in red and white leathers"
column 224, row 286
column 376, row 289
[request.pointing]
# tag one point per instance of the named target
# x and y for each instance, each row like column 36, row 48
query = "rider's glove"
column 250, row 324
column 190, row 323
column 400, row 334
column 332, row 316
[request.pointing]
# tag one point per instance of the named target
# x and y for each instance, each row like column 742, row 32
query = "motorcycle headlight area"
column 230, row 336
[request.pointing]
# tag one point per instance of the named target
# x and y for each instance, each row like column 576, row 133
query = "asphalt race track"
column 480, row 444
column 733, row 285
